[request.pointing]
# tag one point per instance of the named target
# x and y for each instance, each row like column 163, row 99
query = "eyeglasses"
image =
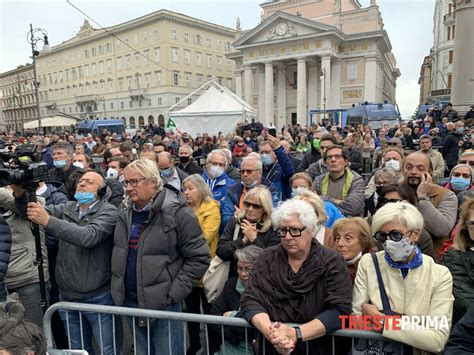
column 133, row 182
column 294, row 232
column 255, row 206
column 471, row 163
column 242, row 270
column 337, row 156
column 392, row 143
column 87, row 181
column 465, row 176
column 383, row 200
column 217, row 164
column 394, row 235
column 470, row 224
column 247, row 171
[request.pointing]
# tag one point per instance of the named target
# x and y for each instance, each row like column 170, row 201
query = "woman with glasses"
column 460, row 261
column 228, row 305
column 250, row 226
column 298, row 281
column 460, row 179
column 382, row 177
column 414, row 284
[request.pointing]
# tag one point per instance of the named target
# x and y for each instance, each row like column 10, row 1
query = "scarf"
column 349, row 177
column 416, row 262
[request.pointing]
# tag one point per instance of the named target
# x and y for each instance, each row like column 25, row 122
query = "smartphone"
column 272, row 132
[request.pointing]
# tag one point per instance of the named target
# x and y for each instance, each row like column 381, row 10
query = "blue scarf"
column 416, row 262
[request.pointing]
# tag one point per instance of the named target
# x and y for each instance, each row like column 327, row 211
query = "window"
column 121, row 105
column 111, row 86
column 219, row 63
column 135, row 39
column 101, row 68
column 227, row 46
column 198, row 39
column 219, row 80
column 158, row 78
column 176, row 99
column 156, row 33
column 86, row 54
column 175, row 57
column 145, row 37
column 137, row 82
column 148, row 80
column 198, row 59
column 218, row 43
column 129, row 82
column 109, row 65
column 208, row 42
column 229, row 65
column 147, row 55
column 174, row 34
column 450, row 80
column 93, row 52
column 190, row 100
column 159, row 101
column 111, row 105
column 157, row 54
column 450, row 57
column 229, row 83
column 137, row 60
column 119, row 63
column 186, row 37
column 352, row 70
column 188, row 80
column 175, row 79
column 120, row 84
column 80, row 72
column 93, row 69
column 454, row 30
column 86, row 71
column 209, row 61
column 449, row 33
column 187, row 56
column 130, row 104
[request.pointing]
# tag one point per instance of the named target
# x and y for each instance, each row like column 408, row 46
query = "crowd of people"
column 309, row 225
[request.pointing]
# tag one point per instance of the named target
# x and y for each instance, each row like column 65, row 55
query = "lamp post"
column 323, row 80
column 34, row 36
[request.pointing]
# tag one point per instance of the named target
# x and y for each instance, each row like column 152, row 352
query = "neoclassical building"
column 314, row 54
column 135, row 70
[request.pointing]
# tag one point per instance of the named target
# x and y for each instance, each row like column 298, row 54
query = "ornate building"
column 314, row 54
column 135, row 70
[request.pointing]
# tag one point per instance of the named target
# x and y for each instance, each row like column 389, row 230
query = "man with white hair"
column 159, row 255
column 215, row 176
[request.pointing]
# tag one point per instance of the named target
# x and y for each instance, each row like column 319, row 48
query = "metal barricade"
column 144, row 314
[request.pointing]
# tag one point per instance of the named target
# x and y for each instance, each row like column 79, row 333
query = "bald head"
column 165, row 161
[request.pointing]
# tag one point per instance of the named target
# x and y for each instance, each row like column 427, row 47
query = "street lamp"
column 323, row 80
column 34, row 36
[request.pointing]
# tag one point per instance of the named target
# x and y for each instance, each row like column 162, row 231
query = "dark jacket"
column 233, row 173
column 114, row 193
column 451, row 148
column 191, row 168
column 172, row 253
column 356, row 159
column 227, row 246
column 5, row 246
column 461, row 340
column 461, row 265
column 60, row 175
column 85, row 247
column 309, row 158
column 280, row 173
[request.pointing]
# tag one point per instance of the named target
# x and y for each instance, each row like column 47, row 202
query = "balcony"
column 449, row 19
column 137, row 94
column 86, row 99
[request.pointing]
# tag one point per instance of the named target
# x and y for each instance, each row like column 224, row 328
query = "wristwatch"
column 299, row 335
column 423, row 198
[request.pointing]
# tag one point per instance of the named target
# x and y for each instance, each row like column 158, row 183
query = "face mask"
column 84, row 198
column 249, row 185
column 297, row 191
column 78, row 164
column 112, row 173
column 184, row 159
column 266, row 159
column 166, row 173
column 60, row 163
column 316, row 143
column 393, row 165
column 459, row 183
column 460, row 129
column 378, row 189
column 215, row 171
column 398, row 251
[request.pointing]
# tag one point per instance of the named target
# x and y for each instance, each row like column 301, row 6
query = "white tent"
column 217, row 109
column 54, row 121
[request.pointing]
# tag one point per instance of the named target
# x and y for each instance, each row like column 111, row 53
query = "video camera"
column 25, row 167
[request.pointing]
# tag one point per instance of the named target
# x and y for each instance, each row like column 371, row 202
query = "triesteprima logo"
column 393, row 322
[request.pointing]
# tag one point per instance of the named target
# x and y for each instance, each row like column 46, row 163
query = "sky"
column 409, row 24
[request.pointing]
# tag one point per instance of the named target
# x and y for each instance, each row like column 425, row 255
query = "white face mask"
column 112, row 173
column 215, row 171
column 399, row 251
column 393, row 165
column 78, row 164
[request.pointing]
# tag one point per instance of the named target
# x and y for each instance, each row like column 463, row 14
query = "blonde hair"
column 403, row 212
column 462, row 240
column 361, row 227
column 148, row 169
column 316, row 202
column 203, row 188
column 263, row 195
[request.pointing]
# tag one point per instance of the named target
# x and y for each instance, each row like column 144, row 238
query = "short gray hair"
column 248, row 254
column 228, row 153
column 148, row 169
column 187, row 147
column 387, row 173
column 250, row 158
column 220, row 152
column 302, row 209
column 403, row 212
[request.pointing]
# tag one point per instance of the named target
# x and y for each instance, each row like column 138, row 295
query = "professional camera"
column 26, row 168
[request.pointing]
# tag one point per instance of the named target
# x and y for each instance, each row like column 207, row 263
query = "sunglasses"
column 394, row 235
column 471, row 163
column 392, row 143
column 255, row 206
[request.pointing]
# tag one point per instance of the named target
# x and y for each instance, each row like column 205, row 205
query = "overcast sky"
column 409, row 24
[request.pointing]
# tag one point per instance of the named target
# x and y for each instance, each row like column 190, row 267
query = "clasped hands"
column 282, row 337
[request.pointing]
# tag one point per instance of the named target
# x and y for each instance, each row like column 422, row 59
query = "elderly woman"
column 252, row 226
column 414, row 283
column 301, row 183
column 460, row 261
column 353, row 239
column 303, row 146
column 199, row 198
column 228, row 305
column 298, row 281
column 460, row 179
column 382, row 177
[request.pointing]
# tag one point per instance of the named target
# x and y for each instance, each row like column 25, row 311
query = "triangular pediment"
column 282, row 25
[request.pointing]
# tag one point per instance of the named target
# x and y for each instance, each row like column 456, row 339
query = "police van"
column 98, row 126
column 374, row 114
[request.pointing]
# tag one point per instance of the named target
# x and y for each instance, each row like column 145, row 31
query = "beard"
column 413, row 181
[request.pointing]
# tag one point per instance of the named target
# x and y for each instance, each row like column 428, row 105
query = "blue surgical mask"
column 267, row 159
column 60, row 163
column 459, row 183
column 460, row 129
column 84, row 198
column 166, row 173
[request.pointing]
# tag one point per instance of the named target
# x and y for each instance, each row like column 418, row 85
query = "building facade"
column 308, row 55
column 135, row 70
column 17, row 97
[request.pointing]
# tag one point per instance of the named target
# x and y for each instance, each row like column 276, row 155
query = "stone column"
column 261, row 94
column 325, row 82
column 238, row 83
column 281, row 104
column 269, row 104
column 248, row 88
column 336, row 83
column 313, row 79
column 301, row 98
column 370, row 89
column 462, row 91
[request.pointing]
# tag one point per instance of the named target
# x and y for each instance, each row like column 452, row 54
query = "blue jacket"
column 218, row 186
column 5, row 246
column 279, row 173
column 233, row 199
column 332, row 212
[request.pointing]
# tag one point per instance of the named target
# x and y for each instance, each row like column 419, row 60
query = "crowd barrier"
column 185, row 318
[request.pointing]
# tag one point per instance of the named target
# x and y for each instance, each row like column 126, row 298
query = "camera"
column 26, row 168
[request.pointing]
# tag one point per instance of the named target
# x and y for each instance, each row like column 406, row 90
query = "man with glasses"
column 320, row 167
column 341, row 185
column 159, row 256
column 84, row 229
column 467, row 158
column 436, row 158
column 215, row 176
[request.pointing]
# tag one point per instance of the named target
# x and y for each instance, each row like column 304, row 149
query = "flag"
column 171, row 125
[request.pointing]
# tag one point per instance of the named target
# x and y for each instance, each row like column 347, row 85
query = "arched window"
column 141, row 122
column 161, row 120
column 132, row 122
column 151, row 120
